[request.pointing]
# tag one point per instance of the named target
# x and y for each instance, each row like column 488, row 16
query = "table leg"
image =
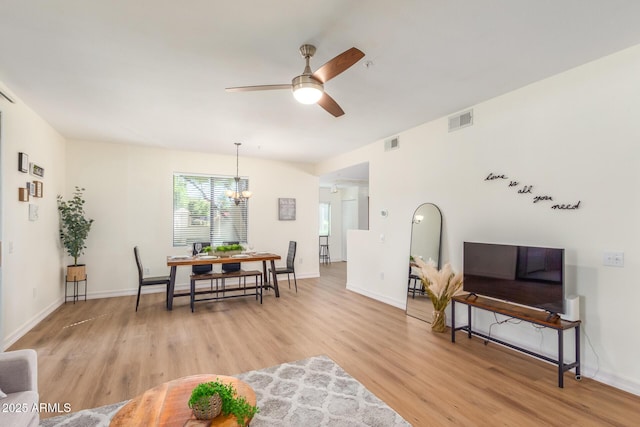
column 560, row 358
column 453, row 321
column 275, row 278
column 172, row 284
column 264, row 274
column 577, row 329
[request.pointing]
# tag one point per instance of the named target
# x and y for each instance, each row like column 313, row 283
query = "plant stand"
column 76, row 284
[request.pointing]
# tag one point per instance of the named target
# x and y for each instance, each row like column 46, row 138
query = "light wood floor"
column 101, row 351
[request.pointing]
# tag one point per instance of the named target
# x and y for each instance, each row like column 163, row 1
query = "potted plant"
column 208, row 400
column 441, row 286
column 229, row 250
column 74, row 229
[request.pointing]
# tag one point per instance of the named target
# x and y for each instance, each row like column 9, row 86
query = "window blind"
column 203, row 213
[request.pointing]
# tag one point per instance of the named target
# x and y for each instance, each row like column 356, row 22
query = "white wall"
column 359, row 194
column 129, row 195
column 574, row 136
column 32, row 277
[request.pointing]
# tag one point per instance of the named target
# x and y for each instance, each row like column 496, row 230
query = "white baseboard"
column 11, row 339
column 613, row 381
column 373, row 295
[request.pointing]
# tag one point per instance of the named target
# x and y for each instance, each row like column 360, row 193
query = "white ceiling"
column 154, row 72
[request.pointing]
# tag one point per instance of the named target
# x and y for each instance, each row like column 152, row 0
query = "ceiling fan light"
column 307, row 90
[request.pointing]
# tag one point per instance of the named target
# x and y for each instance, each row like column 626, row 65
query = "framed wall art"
column 286, row 209
column 36, row 170
column 38, row 188
column 23, row 162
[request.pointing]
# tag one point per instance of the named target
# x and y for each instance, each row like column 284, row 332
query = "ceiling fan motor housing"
column 307, row 89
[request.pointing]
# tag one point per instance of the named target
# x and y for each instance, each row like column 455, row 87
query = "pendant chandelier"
column 238, row 196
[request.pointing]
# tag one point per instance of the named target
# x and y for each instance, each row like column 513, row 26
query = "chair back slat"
column 200, row 269
column 291, row 255
column 138, row 263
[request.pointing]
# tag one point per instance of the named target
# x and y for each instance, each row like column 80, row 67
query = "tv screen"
column 524, row 275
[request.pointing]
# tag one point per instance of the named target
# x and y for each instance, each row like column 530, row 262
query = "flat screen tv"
column 525, row 275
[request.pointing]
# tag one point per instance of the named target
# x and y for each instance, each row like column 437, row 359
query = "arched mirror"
column 426, row 231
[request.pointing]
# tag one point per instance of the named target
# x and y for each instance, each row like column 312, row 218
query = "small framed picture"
column 36, row 170
column 32, row 189
column 286, row 209
column 38, row 188
column 23, row 194
column 23, row 162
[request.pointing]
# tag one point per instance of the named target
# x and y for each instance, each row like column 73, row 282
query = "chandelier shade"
column 237, row 195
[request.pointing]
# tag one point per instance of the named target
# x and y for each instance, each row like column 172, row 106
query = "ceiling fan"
column 308, row 88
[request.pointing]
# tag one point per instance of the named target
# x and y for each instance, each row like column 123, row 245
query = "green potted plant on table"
column 74, row 229
column 210, row 399
column 229, row 250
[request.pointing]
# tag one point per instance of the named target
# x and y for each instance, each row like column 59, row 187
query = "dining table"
column 177, row 261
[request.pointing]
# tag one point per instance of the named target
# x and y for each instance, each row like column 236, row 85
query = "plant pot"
column 227, row 254
column 208, row 409
column 76, row 272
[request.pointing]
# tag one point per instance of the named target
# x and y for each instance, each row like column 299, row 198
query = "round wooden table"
column 167, row 404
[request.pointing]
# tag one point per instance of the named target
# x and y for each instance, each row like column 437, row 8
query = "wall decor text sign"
column 528, row 189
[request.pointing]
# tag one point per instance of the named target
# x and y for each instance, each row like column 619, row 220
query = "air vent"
column 461, row 120
column 392, row 143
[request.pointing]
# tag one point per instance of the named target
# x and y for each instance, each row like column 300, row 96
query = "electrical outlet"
column 613, row 259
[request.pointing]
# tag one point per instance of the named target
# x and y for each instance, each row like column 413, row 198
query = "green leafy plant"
column 231, row 402
column 74, row 227
column 207, row 249
column 227, row 248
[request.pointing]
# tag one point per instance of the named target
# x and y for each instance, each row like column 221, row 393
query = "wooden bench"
column 241, row 275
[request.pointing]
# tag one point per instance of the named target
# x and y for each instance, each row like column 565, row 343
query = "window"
column 325, row 219
column 203, row 213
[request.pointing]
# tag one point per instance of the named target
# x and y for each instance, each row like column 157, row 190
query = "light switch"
column 613, row 259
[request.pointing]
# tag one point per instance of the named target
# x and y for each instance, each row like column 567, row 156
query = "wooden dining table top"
column 204, row 260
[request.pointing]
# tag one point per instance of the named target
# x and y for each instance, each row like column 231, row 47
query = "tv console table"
column 523, row 313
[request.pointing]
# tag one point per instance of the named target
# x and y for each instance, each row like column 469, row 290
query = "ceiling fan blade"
column 338, row 64
column 330, row 105
column 261, row 87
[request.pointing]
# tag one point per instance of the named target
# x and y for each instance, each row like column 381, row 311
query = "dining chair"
column 290, row 268
column 231, row 267
column 148, row 281
column 201, row 272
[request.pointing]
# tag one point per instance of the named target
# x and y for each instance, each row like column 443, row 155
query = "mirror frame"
column 439, row 261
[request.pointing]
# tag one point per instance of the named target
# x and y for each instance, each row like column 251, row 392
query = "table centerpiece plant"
column 228, row 250
column 210, row 399
column 441, row 285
